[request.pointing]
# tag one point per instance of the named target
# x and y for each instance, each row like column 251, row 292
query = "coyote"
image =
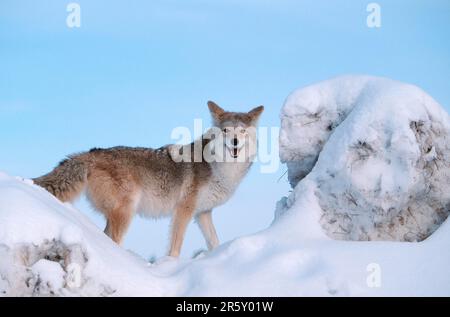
column 170, row 181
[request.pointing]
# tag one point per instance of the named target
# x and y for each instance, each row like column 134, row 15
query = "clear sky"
column 135, row 70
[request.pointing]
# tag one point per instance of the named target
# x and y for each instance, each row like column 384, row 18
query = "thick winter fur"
column 123, row 181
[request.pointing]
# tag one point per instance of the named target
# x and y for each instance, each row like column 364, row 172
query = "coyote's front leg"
column 206, row 225
column 181, row 217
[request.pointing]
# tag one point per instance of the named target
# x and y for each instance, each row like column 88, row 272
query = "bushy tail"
column 67, row 180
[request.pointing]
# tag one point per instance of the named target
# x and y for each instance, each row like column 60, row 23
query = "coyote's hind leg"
column 118, row 221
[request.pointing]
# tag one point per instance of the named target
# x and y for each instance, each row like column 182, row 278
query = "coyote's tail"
column 67, row 180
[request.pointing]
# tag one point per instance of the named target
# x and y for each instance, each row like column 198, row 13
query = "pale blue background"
column 137, row 69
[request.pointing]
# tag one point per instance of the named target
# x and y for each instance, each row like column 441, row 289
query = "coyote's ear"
column 215, row 110
column 256, row 112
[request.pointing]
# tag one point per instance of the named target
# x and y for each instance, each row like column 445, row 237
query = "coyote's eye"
column 242, row 130
column 225, row 130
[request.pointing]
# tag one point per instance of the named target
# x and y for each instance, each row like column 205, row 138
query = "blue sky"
column 137, row 69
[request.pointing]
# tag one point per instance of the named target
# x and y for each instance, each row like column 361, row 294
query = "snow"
column 50, row 277
column 40, row 235
column 48, row 248
column 378, row 151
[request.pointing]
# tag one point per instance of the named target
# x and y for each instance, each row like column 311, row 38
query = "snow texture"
column 379, row 152
column 48, row 248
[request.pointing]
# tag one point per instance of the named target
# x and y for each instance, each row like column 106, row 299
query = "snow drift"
column 48, row 248
column 379, row 152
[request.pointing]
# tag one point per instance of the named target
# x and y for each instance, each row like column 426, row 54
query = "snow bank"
column 379, row 152
column 48, row 248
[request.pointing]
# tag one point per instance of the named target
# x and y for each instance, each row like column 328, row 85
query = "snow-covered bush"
column 379, row 152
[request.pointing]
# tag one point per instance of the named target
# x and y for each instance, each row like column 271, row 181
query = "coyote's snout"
column 123, row 181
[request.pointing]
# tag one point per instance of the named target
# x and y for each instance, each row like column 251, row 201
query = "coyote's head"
column 234, row 132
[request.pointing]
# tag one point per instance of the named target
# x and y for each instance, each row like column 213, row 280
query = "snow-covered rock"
column 378, row 153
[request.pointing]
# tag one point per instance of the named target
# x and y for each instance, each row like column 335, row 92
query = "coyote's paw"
column 199, row 254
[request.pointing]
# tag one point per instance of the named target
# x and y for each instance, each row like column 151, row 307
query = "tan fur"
column 183, row 214
column 205, row 223
column 123, row 181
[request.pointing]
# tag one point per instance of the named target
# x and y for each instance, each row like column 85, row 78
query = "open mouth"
column 234, row 152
